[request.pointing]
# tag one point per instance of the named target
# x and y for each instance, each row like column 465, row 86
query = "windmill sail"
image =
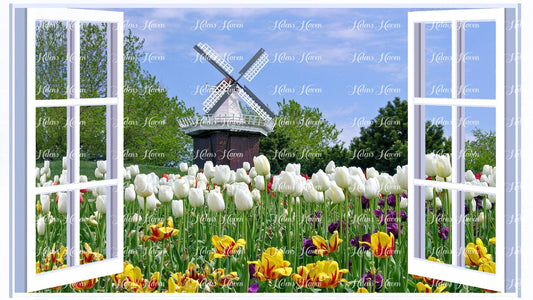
column 252, row 68
column 214, row 58
column 262, row 110
column 219, row 94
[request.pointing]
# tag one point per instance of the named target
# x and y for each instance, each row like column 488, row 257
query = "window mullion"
column 73, row 142
column 458, row 141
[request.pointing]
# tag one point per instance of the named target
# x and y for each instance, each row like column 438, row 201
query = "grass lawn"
column 87, row 168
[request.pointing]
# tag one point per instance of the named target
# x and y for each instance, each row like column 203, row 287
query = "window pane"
column 51, row 146
column 480, row 145
column 438, row 141
column 480, row 60
column 438, row 60
column 93, row 62
column 93, row 224
column 480, row 232
column 50, row 60
column 438, row 224
column 93, row 144
column 51, row 227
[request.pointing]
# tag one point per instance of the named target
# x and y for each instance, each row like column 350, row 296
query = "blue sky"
column 346, row 62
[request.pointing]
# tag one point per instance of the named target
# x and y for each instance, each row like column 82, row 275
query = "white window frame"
column 506, row 160
column 113, row 262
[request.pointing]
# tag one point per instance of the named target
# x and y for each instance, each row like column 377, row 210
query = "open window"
column 58, row 99
column 456, row 98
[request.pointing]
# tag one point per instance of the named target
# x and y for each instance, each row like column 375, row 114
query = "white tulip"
column 101, row 204
column 287, row 183
column 184, row 167
column 215, row 201
column 56, row 179
column 192, row 170
column 127, row 173
column 209, row 169
column 487, row 170
column 259, row 182
column 491, row 180
column 242, row 176
column 191, row 179
column 181, row 188
column 222, row 175
column 371, row 173
column 165, row 193
column 136, row 218
column 310, row 194
column 492, row 198
column 37, row 173
column 372, row 188
column 256, row 196
column 201, row 179
column 438, row 202
column 429, row 193
column 335, row 193
column 330, row 167
column 98, row 174
column 469, row 176
column 65, row 162
column 403, row 202
column 443, row 166
column 262, row 165
column 45, row 203
column 163, row 181
column 385, row 183
column 177, row 208
column 403, row 176
column 488, row 204
column 246, row 166
column 430, row 165
column 46, row 166
column 294, row 168
column 129, row 193
column 342, row 177
column 196, row 197
column 357, row 186
column 252, row 173
column 299, row 187
column 356, row 171
column 134, row 170
column 102, row 166
column 243, row 199
column 320, row 181
column 143, row 185
column 151, row 202
column 41, row 226
column 481, row 218
column 62, row 202
column 231, row 177
column 63, row 179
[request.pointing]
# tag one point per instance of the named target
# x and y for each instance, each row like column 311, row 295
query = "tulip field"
column 341, row 229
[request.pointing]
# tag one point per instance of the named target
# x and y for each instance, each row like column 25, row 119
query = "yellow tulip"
column 425, row 288
column 486, row 265
column 222, row 279
column 324, row 248
column 473, row 253
column 492, row 241
column 159, row 232
column 225, row 246
column 382, row 245
column 322, row 274
column 362, row 290
column 272, row 266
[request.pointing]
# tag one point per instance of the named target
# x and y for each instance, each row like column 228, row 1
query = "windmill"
column 224, row 135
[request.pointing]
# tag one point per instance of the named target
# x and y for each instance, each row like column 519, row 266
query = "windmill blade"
column 220, row 90
column 225, row 96
column 259, row 107
column 214, row 58
column 252, row 68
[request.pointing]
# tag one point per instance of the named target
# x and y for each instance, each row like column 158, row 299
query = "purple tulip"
column 391, row 216
column 381, row 202
column 391, row 200
column 308, row 248
column 254, row 287
column 355, row 242
column 365, row 238
column 392, row 227
column 251, row 270
column 365, row 202
column 370, row 279
column 403, row 215
column 444, row 232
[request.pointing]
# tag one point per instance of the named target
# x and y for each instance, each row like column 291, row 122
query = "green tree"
column 301, row 134
column 383, row 144
column 481, row 151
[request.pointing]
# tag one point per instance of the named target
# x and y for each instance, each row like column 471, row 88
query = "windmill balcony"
column 195, row 125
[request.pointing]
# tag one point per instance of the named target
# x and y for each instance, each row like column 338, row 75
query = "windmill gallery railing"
column 231, row 122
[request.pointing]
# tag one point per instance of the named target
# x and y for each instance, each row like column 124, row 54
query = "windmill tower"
column 224, row 135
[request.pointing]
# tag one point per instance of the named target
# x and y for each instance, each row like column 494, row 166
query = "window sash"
column 417, row 263
column 114, row 153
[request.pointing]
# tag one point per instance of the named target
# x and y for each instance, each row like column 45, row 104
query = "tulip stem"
column 325, row 216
